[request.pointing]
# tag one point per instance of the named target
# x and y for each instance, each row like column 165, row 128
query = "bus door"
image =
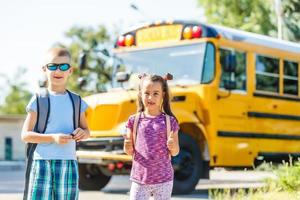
column 232, row 107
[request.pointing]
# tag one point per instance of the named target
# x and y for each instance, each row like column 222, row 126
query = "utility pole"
column 136, row 8
column 278, row 9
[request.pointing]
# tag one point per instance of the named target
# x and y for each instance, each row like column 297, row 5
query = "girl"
column 150, row 144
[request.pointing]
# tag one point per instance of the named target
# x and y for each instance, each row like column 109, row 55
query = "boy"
column 54, row 170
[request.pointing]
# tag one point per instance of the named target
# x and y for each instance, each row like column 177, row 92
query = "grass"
column 285, row 185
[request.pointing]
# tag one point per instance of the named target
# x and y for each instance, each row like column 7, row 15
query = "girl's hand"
column 80, row 134
column 170, row 142
column 128, row 146
column 173, row 144
column 61, row 138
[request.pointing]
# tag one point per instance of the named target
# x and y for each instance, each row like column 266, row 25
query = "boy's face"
column 57, row 77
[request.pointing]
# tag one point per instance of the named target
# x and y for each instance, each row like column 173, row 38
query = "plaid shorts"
column 53, row 179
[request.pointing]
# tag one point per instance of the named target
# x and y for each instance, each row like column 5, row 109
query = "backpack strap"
column 76, row 104
column 168, row 124
column 135, row 126
column 43, row 110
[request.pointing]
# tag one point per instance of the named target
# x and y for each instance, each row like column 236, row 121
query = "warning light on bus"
column 192, row 32
column 129, row 40
column 126, row 40
column 187, row 32
column 197, row 32
column 121, row 41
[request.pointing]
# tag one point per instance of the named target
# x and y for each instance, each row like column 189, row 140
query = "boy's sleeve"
column 32, row 106
column 130, row 122
column 174, row 125
column 83, row 106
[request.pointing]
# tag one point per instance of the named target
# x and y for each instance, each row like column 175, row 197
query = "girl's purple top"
column 151, row 163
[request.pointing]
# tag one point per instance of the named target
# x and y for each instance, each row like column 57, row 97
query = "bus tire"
column 187, row 165
column 91, row 177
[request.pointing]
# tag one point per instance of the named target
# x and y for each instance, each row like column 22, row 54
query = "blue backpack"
column 43, row 111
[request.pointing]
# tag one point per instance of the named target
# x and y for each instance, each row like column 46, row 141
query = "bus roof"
column 238, row 35
column 228, row 33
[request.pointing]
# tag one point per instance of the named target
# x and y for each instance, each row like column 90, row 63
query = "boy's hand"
column 170, row 142
column 61, row 138
column 79, row 134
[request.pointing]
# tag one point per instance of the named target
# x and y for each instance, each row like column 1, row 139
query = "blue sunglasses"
column 62, row 67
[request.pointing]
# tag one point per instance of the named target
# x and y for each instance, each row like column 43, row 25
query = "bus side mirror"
column 82, row 61
column 122, row 77
column 230, row 85
column 229, row 63
column 105, row 52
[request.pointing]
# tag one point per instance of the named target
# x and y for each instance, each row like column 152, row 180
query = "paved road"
column 11, row 185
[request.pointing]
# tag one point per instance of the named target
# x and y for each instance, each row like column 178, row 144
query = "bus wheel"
column 91, row 177
column 187, row 165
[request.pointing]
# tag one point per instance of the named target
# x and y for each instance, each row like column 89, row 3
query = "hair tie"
column 168, row 77
column 142, row 75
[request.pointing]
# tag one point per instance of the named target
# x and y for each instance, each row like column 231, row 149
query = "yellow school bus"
column 235, row 94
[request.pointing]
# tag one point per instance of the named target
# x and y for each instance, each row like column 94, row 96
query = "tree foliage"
column 18, row 97
column 291, row 19
column 88, row 39
column 96, row 75
column 249, row 15
column 255, row 16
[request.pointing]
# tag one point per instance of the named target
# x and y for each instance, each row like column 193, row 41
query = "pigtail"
column 168, row 77
column 142, row 75
column 166, row 100
column 140, row 105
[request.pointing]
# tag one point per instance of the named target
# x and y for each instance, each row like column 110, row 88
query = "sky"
column 28, row 28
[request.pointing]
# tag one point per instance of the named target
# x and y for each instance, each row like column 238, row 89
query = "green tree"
column 250, row 15
column 18, row 97
column 255, row 16
column 291, row 19
column 97, row 74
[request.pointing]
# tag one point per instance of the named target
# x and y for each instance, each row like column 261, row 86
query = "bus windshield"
column 184, row 62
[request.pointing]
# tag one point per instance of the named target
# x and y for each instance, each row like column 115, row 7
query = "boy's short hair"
column 59, row 51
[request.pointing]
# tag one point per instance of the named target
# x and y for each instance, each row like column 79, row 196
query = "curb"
column 12, row 165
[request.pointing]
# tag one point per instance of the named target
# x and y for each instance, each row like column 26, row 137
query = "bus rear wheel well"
column 196, row 133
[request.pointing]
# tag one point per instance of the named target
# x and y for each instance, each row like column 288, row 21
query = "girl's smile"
column 151, row 103
column 152, row 96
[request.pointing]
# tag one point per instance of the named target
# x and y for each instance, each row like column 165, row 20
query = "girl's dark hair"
column 166, row 98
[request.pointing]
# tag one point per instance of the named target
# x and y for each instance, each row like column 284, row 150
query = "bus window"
column 185, row 62
column 290, row 78
column 240, row 71
column 267, row 74
column 209, row 64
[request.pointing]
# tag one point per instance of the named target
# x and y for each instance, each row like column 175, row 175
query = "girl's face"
column 57, row 77
column 152, row 95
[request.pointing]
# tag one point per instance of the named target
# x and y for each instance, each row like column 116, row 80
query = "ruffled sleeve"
column 174, row 125
column 130, row 122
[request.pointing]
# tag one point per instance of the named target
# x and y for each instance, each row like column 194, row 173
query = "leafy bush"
column 285, row 185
